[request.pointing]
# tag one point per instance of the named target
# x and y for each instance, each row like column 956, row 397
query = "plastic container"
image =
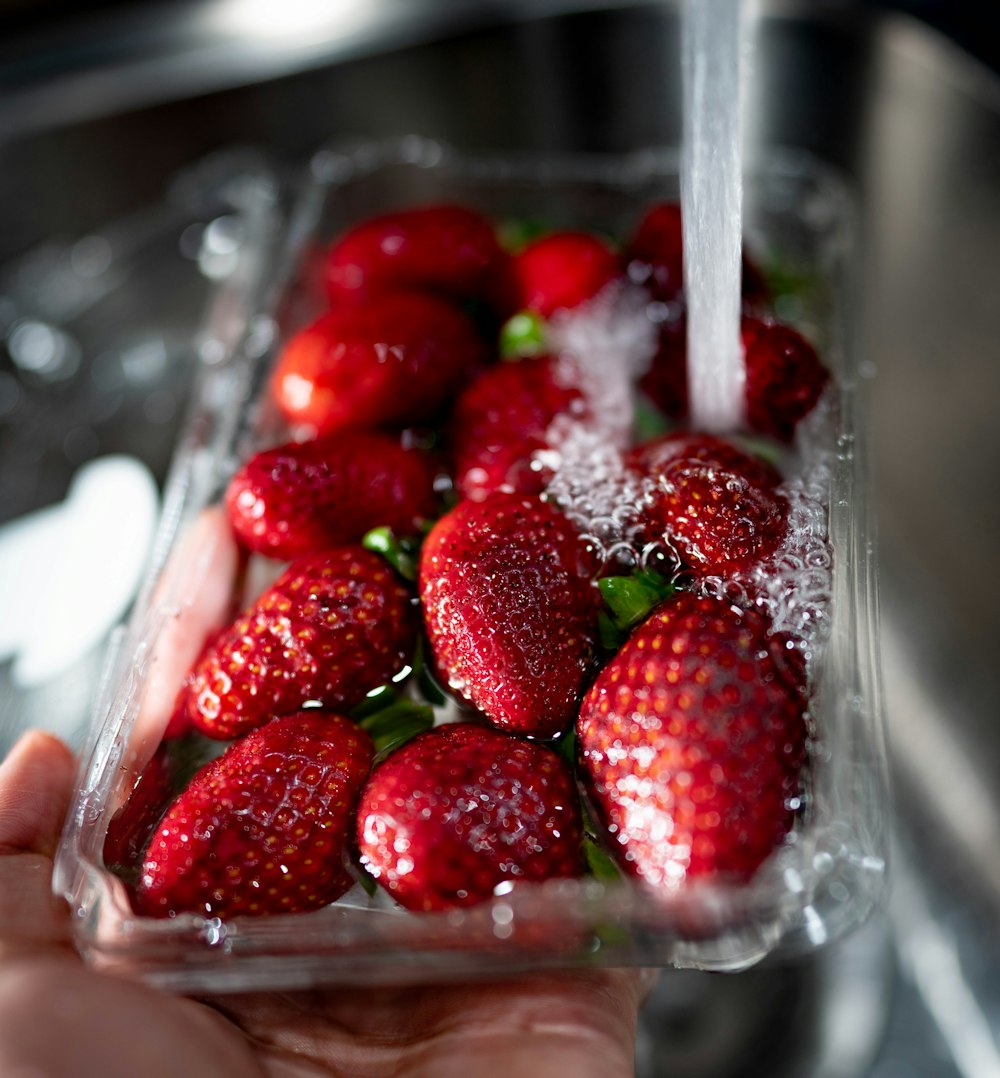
column 825, row 880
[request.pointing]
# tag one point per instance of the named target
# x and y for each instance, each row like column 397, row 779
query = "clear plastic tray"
column 826, row 880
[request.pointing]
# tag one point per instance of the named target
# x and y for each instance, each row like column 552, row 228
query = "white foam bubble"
column 794, row 587
column 603, row 347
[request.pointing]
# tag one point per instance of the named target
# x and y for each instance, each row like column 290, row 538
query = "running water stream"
column 712, row 202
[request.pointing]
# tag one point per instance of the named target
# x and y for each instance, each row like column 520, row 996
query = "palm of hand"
column 59, row 1018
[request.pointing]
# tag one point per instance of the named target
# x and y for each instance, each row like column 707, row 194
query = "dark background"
column 972, row 24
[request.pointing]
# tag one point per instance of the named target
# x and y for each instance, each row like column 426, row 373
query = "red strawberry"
column 500, row 422
column 307, row 496
column 510, row 613
column 784, row 377
column 447, row 249
column 264, row 828
column 130, row 827
column 392, row 360
column 666, row 380
column 562, row 270
column 693, row 739
column 462, row 808
column 655, row 257
column 652, row 457
column 716, row 519
column 334, row 626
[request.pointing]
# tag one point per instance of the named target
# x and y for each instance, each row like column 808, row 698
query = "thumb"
column 36, row 781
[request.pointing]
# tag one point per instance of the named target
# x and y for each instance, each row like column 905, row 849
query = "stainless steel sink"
column 99, row 119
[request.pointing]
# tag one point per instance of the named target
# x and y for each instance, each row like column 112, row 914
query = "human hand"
column 60, row 1019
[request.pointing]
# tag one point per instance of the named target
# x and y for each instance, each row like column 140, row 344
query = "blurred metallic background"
column 109, row 216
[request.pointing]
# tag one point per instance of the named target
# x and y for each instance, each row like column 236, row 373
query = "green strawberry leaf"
column 759, row 447
column 377, row 700
column 786, row 279
column 427, row 683
column 396, row 724
column 566, row 747
column 628, row 599
column 599, row 864
column 610, row 635
column 648, row 421
column 523, row 334
column 399, row 551
column 368, row 882
column 516, row 233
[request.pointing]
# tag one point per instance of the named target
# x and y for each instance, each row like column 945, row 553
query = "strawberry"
column 130, row 827
column 652, row 457
column 447, row 249
column 716, row 519
column 655, row 254
column 693, row 743
column 562, row 270
column 463, row 808
column 500, row 422
column 655, row 257
column 306, row 496
column 784, row 377
column 665, row 382
column 332, row 627
column 391, row 360
column 510, row 614
column 265, row 827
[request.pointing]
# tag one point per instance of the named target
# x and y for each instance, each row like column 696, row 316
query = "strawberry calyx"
column 515, row 233
column 599, row 864
column 402, row 552
column 523, row 334
column 395, row 723
column 423, row 677
column 648, row 421
column 627, row 601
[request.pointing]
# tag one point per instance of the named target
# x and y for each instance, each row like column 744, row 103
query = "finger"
column 32, row 919
column 36, row 781
column 35, row 785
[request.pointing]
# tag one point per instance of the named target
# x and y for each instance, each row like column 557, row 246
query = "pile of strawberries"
column 446, row 688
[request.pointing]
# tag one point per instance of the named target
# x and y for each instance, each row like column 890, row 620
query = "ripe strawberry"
column 130, row 827
column 462, row 808
column 652, row 457
column 716, row 519
column 264, row 828
column 784, row 377
column 510, row 613
column 332, row 627
column 392, row 360
column 562, row 270
column 500, row 422
column 665, row 382
column 655, row 257
column 447, row 249
column 307, row 496
column 693, row 740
